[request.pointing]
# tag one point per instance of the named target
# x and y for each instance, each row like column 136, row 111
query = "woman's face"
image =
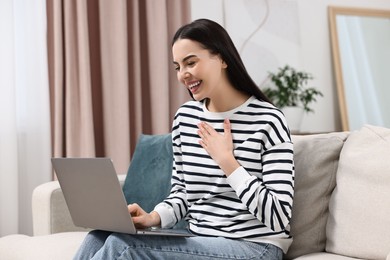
column 200, row 71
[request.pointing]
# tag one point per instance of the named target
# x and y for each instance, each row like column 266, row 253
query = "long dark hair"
column 214, row 38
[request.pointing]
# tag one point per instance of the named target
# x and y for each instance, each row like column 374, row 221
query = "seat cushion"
column 316, row 160
column 359, row 222
column 324, row 256
column 61, row 246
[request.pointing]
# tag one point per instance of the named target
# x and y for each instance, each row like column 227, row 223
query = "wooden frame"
column 333, row 11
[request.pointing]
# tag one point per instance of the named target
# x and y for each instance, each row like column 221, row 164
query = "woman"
column 233, row 173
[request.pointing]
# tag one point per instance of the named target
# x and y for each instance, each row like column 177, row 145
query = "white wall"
column 295, row 32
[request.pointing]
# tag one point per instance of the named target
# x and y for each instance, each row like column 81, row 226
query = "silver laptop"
column 95, row 199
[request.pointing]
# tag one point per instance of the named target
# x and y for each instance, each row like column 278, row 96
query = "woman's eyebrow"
column 185, row 58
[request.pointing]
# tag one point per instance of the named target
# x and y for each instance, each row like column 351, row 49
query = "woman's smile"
column 193, row 87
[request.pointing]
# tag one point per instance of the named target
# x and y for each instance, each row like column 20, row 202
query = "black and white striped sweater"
column 255, row 202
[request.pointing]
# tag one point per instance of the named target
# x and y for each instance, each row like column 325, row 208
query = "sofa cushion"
column 316, row 159
column 324, row 256
column 57, row 246
column 148, row 179
column 359, row 222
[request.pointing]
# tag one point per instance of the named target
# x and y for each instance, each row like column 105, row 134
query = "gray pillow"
column 316, row 159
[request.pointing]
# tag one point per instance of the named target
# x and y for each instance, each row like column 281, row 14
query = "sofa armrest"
column 50, row 212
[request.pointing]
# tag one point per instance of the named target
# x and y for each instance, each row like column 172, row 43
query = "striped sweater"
column 255, row 202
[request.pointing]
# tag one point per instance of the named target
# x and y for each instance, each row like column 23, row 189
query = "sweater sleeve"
column 174, row 207
column 269, row 198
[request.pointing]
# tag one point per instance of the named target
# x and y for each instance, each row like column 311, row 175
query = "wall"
column 270, row 34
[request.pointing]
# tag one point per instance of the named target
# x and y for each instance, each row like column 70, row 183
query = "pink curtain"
column 111, row 74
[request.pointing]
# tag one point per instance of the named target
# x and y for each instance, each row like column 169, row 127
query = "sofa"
column 341, row 206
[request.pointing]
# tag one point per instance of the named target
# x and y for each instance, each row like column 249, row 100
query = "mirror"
column 361, row 59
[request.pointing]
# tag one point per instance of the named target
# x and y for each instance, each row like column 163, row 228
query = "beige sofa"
column 341, row 206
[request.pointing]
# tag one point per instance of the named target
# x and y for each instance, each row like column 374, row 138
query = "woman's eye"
column 177, row 68
column 191, row 63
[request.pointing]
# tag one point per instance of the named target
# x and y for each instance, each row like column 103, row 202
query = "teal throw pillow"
column 148, row 179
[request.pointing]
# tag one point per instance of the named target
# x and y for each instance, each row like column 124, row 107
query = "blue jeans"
column 107, row 245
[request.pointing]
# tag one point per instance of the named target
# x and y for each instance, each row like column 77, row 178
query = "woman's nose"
column 184, row 74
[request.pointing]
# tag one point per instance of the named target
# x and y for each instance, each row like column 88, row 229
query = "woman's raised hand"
column 219, row 146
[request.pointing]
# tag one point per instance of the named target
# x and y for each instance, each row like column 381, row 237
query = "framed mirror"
column 360, row 40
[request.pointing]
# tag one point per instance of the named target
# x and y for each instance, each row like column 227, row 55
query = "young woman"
column 233, row 172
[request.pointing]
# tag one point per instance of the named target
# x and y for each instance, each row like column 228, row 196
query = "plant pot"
column 294, row 117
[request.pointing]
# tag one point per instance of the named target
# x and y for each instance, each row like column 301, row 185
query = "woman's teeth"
column 194, row 84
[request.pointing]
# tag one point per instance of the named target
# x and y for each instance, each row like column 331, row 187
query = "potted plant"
column 290, row 93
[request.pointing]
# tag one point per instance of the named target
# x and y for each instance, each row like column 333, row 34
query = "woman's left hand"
column 219, row 146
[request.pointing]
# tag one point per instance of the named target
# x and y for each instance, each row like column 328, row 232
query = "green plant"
column 290, row 89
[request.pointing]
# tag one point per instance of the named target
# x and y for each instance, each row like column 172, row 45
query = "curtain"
column 25, row 147
column 111, row 74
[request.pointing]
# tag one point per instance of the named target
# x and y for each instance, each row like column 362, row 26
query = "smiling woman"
column 233, row 170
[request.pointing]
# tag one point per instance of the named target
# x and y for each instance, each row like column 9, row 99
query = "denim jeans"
column 107, row 245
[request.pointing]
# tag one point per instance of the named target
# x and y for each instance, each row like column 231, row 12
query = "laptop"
column 95, row 199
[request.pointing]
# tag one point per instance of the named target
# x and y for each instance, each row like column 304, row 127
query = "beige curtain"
column 111, row 74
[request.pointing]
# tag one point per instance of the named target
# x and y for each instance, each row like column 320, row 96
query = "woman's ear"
column 224, row 65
